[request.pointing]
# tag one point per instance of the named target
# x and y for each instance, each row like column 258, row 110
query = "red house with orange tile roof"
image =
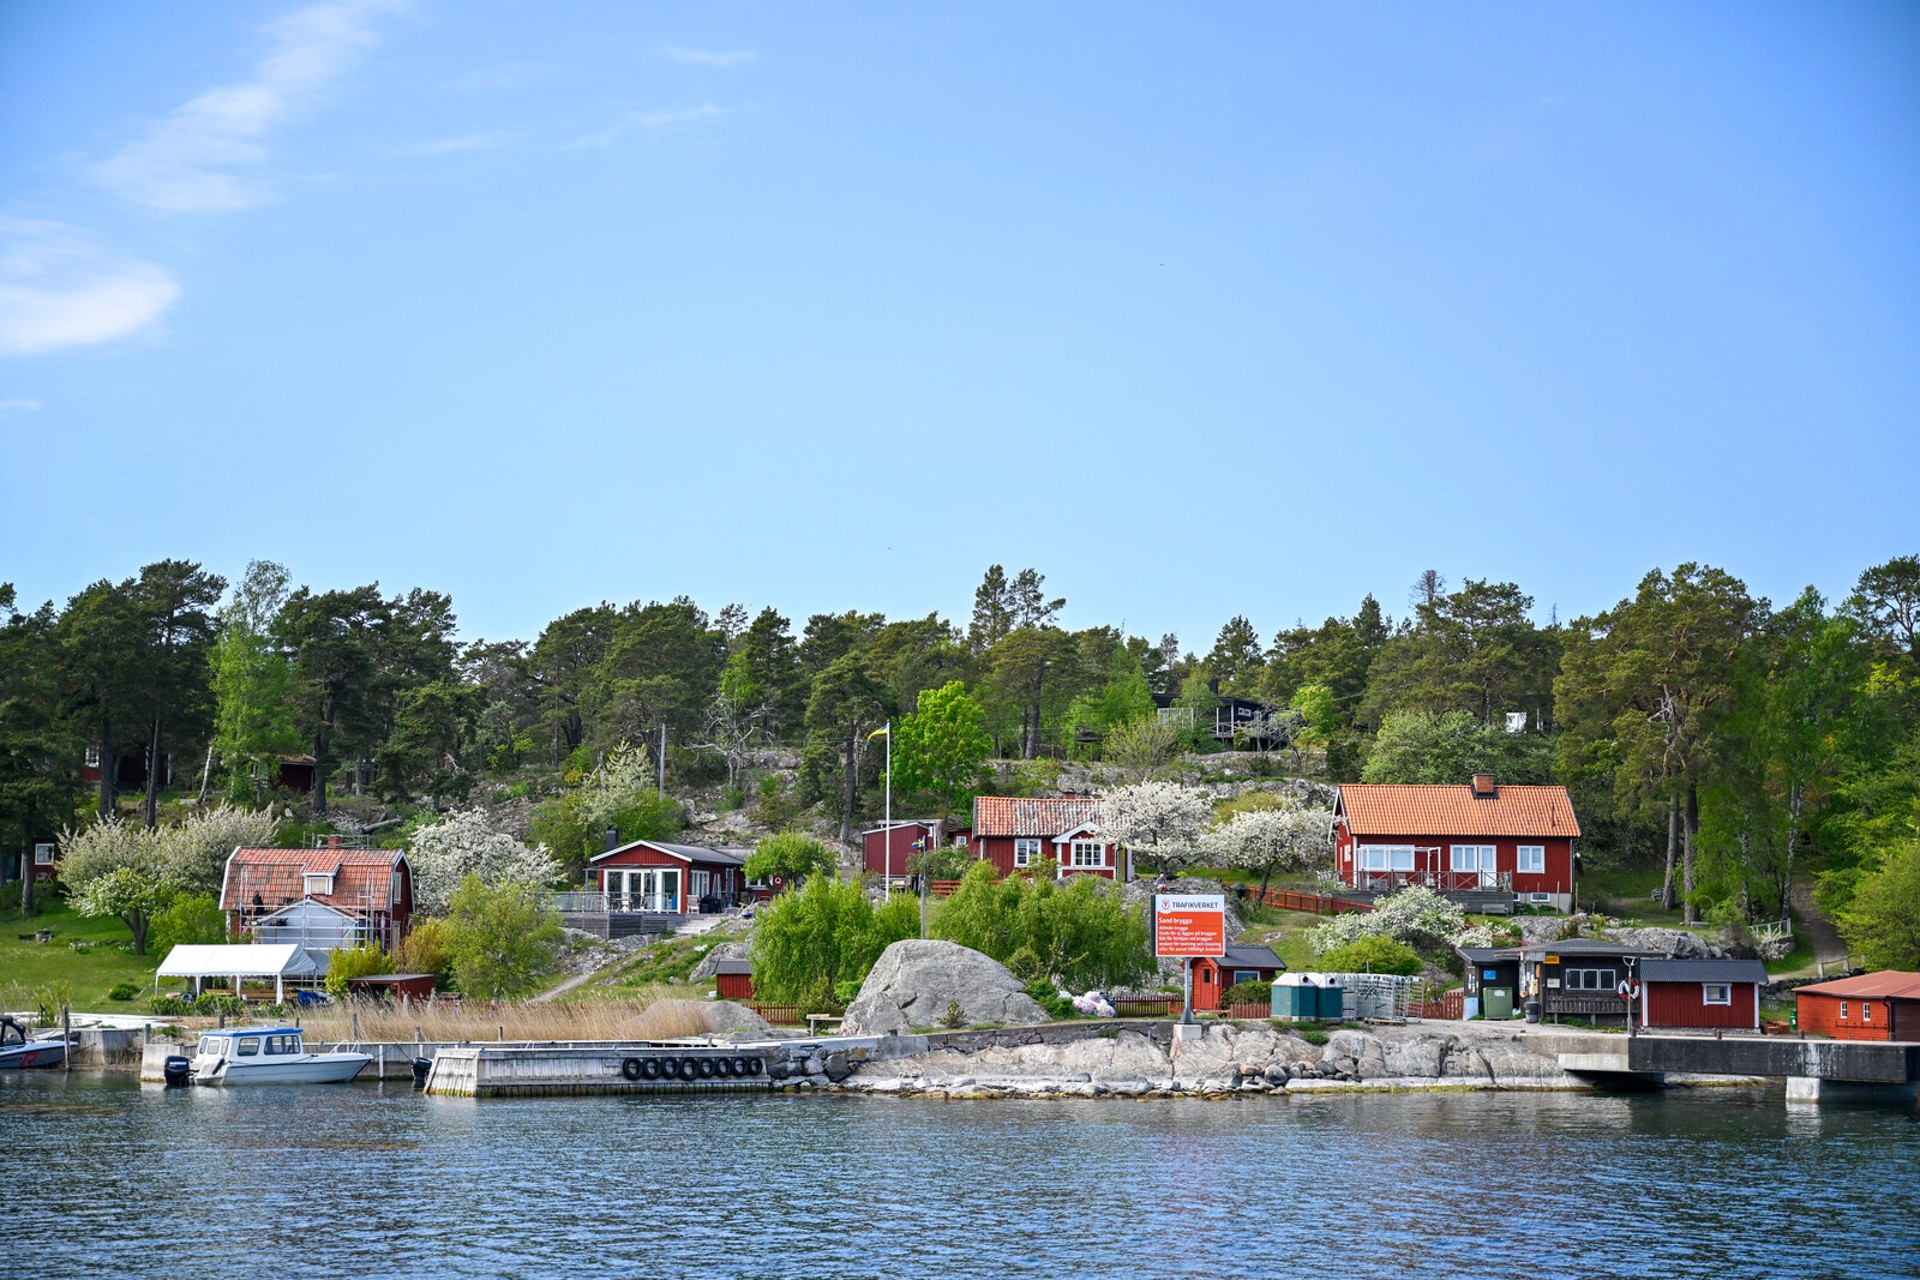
column 370, row 888
column 1015, row 833
column 1472, row 837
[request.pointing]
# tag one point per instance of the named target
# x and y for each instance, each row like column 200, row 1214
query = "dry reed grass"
column 445, row 1021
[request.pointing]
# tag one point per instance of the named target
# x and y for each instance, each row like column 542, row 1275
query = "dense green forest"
column 1742, row 745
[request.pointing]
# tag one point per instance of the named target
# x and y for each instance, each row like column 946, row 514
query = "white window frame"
column 1590, row 979
column 43, row 855
column 1843, row 1011
column 1087, row 855
column 1866, row 1011
column 1026, row 851
column 1386, row 857
column 1530, row 859
column 698, row 884
column 93, row 757
column 324, row 878
column 1716, row 993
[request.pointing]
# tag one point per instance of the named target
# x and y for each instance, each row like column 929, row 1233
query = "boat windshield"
column 213, row 1046
column 247, row 1047
column 284, row 1043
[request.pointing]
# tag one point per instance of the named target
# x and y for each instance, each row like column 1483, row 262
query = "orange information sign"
column 1191, row 924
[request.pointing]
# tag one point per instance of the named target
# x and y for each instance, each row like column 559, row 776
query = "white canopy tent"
column 279, row 961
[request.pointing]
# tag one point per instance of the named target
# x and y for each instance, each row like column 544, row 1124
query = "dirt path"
column 697, row 925
column 1828, row 947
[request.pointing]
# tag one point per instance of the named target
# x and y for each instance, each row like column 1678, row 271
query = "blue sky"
column 1199, row 310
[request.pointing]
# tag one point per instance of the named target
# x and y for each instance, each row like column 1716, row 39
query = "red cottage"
column 669, row 879
column 1473, row 839
column 1871, row 1006
column 1014, row 834
column 331, row 896
column 1701, row 993
column 1212, row 978
column 45, row 862
column 733, row 979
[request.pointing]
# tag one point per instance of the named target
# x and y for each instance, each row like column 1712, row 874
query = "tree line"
column 1738, row 744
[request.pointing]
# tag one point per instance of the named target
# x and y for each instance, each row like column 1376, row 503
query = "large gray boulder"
column 710, row 963
column 914, row 982
column 1677, row 943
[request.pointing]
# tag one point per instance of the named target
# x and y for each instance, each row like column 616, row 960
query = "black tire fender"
column 630, row 1068
column 650, row 1068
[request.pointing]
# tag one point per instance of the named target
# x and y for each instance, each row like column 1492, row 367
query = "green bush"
column 1374, row 954
column 825, row 933
column 1312, row 1035
column 211, row 1005
column 1079, row 931
column 355, row 962
column 167, row 1007
column 192, row 918
column 123, row 991
column 1058, row 1007
column 1252, row 991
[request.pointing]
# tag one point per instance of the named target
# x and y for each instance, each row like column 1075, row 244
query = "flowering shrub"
column 1417, row 916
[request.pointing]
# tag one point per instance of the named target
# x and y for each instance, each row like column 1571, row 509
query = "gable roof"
column 1020, row 816
column 1702, row 971
column 1251, row 957
column 1398, row 809
column 688, row 853
column 362, row 878
column 1888, row 984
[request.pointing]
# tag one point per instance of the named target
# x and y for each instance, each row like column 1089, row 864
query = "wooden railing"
column 942, row 888
column 780, row 1015
column 1251, row 1012
column 1148, row 1007
column 1451, row 1005
column 1319, row 904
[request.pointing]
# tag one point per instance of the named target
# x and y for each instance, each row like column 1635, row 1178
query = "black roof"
column 1588, row 947
column 1702, row 971
column 1251, row 958
column 734, row 966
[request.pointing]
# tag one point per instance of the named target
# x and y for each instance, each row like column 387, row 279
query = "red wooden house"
column 1870, row 1006
column 887, row 852
column 370, row 890
column 44, row 863
column 668, row 879
column 1212, row 978
column 1015, row 834
column 1476, row 837
column 1701, row 993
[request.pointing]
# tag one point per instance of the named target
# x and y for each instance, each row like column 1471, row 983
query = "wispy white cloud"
column 466, row 142
column 199, row 157
column 59, row 289
column 652, row 122
column 721, row 58
column 508, row 75
column 16, row 405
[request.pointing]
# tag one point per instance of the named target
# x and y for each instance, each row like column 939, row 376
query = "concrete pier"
column 1804, row 1090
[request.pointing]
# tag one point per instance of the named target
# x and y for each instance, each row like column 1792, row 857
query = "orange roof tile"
column 362, row 878
column 1391, row 809
column 1888, row 984
column 1016, row 816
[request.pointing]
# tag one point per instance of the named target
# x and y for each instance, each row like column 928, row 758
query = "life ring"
column 670, row 1068
column 689, row 1068
column 741, row 1068
column 650, row 1068
column 630, row 1068
column 707, row 1068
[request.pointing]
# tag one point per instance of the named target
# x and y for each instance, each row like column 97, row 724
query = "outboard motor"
column 421, row 1066
column 177, row 1070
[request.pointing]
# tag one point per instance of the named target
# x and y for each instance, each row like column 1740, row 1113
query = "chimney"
column 333, row 842
column 613, row 839
column 1483, row 787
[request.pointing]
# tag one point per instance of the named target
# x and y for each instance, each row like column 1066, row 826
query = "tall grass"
column 633, row 1019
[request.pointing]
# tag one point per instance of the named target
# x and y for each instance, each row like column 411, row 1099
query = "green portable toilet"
column 1333, row 998
column 1498, row 1001
column 1294, row 998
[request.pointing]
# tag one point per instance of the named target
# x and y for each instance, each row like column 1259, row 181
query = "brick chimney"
column 1483, row 787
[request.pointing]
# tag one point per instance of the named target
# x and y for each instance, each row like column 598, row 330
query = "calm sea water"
column 108, row 1177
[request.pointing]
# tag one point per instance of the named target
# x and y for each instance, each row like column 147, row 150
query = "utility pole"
column 663, row 760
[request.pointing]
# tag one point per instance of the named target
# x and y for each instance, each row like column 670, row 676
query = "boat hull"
column 34, row 1053
column 307, row 1068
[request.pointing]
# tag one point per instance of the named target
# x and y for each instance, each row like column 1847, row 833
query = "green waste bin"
column 1498, row 1001
column 1333, row 998
column 1295, row 998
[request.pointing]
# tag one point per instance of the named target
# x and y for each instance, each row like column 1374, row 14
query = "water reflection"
column 377, row 1180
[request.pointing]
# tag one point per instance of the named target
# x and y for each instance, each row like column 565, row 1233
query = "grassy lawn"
column 1285, row 932
column 30, row 966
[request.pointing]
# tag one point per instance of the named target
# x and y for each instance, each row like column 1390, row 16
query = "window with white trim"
column 1026, row 852
column 317, row 882
column 1866, row 1012
column 43, row 855
column 1473, row 857
column 1086, row 853
column 1843, row 1011
column 1591, row 979
column 1716, row 993
column 93, row 757
column 1531, row 857
column 1386, row 857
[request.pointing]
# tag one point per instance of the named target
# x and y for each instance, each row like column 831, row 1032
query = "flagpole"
column 888, row 891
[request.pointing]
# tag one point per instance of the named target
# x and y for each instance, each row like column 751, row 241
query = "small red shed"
column 393, row 986
column 887, row 850
column 733, row 979
column 1212, row 977
column 1701, row 993
column 1871, row 1006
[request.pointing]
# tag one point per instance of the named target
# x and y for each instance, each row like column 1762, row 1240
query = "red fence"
column 1155, row 1007
column 1451, row 1004
column 1317, row 903
column 780, row 1015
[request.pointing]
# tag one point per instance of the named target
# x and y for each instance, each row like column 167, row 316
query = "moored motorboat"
column 269, row 1055
column 19, row 1049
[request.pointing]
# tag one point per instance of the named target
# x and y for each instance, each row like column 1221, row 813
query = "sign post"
column 1188, row 926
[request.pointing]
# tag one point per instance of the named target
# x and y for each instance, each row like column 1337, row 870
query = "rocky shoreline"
column 1219, row 1059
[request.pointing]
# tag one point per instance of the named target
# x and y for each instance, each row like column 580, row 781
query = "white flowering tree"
column 1415, row 915
column 197, row 850
column 461, row 845
column 1159, row 821
column 1286, row 836
column 118, row 868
